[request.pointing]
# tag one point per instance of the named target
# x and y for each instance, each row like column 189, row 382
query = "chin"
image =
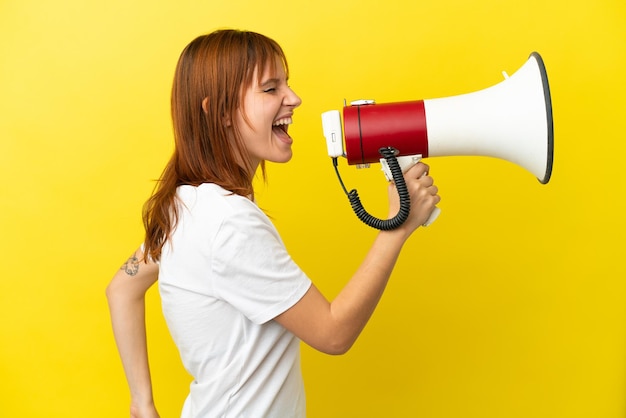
column 282, row 159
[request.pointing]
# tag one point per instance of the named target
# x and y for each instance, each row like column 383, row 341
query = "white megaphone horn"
column 511, row 120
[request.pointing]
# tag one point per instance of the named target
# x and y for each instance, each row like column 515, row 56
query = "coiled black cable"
column 405, row 201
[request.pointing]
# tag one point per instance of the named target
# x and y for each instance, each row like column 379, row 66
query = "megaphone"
column 511, row 120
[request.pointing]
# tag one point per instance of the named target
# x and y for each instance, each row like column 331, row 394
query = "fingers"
column 423, row 194
column 417, row 171
column 425, row 184
column 426, row 181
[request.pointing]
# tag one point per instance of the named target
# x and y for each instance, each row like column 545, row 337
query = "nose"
column 292, row 99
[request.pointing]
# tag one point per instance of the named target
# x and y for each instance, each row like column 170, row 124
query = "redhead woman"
column 236, row 304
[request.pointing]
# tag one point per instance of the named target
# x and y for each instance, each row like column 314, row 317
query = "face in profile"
column 266, row 113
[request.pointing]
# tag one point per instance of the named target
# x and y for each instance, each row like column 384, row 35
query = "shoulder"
column 209, row 205
column 211, row 195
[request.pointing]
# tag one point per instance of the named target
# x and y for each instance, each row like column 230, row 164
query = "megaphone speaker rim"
column 548, row 101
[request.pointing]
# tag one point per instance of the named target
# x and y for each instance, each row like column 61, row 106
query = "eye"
column 270, row 90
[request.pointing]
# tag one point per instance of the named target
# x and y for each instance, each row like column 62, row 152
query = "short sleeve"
column 252, row 268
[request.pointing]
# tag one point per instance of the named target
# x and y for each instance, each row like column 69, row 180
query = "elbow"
column 110, row 292
column 333, row 344
column 336, row 338
column 338, row 350
column 337, row 346
column 114, row 291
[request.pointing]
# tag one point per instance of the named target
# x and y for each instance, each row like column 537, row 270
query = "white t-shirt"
column 224, row 275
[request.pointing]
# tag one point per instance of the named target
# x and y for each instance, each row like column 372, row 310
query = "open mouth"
column 282, row 125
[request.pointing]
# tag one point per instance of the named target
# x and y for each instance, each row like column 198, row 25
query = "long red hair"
column 215, row 69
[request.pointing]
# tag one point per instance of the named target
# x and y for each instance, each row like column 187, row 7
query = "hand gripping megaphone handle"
column 405, row 163
column 403, row 193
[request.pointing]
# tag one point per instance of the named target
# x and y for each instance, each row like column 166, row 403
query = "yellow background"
column 511, row 305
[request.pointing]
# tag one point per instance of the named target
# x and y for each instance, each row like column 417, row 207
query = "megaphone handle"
column 403, row 194
column 406, row 162
column 433, row 215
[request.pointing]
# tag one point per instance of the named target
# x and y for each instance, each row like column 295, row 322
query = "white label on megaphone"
column 331, row 124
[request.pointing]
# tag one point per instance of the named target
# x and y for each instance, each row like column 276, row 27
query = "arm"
column 126, row 297
column 332, row 327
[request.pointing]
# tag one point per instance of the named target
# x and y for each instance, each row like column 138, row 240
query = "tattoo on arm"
column 131, row 266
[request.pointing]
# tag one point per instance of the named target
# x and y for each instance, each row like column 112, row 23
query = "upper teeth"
column 283, row 121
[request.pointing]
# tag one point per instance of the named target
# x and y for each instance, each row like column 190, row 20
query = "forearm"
column 126, row 296
column 129, row 329
column 333, row 327
column 355, row 304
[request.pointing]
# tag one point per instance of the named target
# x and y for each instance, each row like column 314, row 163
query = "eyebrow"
column 269, row 81
column 274, row 80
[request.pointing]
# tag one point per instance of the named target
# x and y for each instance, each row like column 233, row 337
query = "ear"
column 205, row 102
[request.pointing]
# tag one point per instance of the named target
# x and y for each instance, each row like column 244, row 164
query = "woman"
column 235, row 302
